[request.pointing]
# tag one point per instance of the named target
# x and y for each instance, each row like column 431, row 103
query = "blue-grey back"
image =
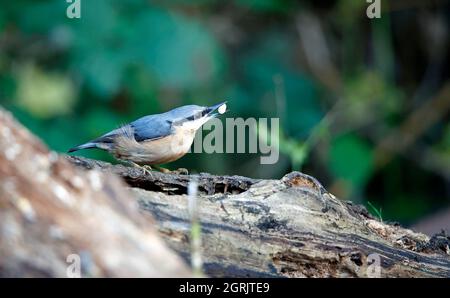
column 154, row 126
column 160, row 125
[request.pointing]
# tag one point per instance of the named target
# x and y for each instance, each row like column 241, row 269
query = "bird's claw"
column 145, row 168
column 180, row 171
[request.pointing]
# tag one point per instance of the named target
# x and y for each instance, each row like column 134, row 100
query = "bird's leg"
column 146, row 168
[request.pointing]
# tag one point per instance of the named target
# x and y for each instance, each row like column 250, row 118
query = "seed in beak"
column 222, row 109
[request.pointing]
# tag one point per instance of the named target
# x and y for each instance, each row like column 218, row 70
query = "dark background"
column 363, row 103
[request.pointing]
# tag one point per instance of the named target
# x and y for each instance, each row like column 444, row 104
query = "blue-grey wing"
column 151, row 127
column 145, row 128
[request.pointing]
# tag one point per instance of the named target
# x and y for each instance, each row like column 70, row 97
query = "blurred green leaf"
column 178, row 49
column 351, row 159
column 267, row 5
column 43, row 94
column 38, row 16
column 348, row 12
column 100, row 121
column 143, row 90
column 405, row 207
column 369, row 94
column 383, row 52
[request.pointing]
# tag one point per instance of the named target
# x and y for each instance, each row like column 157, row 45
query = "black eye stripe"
column 198, row 115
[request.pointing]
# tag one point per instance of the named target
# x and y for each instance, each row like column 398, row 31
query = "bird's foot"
column 180, row 171
column 146, row 168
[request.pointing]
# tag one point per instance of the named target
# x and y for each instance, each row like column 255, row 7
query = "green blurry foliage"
column 71, row 80
column 273, row 6
column 368, row 95
column 272, row 58
column 351, row 160
column 348, row 13
column 42, row 94
column 407, row 207
column 177, row 50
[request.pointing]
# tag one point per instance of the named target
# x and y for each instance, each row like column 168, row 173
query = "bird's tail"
column 83, row 146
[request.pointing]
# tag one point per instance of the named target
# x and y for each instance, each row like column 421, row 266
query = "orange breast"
column 155, row 152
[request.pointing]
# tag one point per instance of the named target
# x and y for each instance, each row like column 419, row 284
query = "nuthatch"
column 156, row 139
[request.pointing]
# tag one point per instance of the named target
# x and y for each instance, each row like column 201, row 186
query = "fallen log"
column 280, row 228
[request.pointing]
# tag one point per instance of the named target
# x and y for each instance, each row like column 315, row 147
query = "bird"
column 155, row 139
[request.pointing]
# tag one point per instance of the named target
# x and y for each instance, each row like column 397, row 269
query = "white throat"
column 195, row 124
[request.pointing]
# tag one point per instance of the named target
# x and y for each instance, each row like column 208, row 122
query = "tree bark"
column 280, row 228
column 59, row 221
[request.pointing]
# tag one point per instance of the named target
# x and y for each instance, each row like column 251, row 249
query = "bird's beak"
column 220, row 108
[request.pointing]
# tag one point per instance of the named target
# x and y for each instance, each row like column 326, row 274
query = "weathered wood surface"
column 290, row 227
column 49, row 210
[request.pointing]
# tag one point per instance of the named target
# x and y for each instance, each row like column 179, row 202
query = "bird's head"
column 193, row 116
